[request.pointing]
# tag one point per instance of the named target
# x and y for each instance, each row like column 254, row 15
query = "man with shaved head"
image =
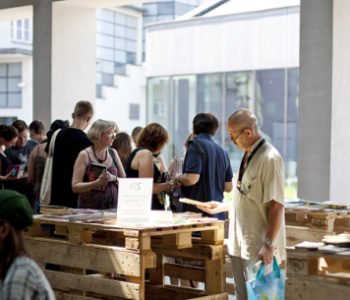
column 257, row 230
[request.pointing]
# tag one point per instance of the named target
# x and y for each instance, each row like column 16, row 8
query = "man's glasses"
column 234, row 139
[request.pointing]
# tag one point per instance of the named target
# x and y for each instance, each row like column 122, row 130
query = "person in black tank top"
column 147, row 162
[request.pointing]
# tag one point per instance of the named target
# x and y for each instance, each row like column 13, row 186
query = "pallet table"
column 95, row 259
column 312, row 225
column 317, row 275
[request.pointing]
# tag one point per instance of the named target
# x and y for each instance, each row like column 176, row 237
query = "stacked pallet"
column 92, row 258
column 310, row 224
column 317, row 275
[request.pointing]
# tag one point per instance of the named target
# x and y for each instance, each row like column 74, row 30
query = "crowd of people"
column 86, row 169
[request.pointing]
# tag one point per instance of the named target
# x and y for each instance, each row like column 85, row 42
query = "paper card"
column 162, row 218
column 134, row 202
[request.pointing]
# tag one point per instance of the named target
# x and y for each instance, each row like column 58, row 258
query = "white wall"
column 261, row 40
column 115, row 106
column 73, row 58
column 340, row 133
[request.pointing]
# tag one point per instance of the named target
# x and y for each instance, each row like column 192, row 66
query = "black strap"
column 244, row 165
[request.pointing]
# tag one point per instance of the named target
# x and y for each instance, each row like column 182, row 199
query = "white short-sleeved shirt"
column 262, row 182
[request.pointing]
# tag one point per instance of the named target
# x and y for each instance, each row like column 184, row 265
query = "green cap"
column 15, row 209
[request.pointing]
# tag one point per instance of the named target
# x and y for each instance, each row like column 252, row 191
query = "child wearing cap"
column 20, row 277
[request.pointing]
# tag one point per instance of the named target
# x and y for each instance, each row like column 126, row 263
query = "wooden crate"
column 316, row 275
column 102, row 261
column 310, row 225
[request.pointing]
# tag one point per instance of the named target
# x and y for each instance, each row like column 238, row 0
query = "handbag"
column 269, row 286
column 45, row 189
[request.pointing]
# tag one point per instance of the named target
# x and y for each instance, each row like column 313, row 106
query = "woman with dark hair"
column 122, row 143
column 37, row 159
column 146, row 161
column 8, row 138
column 20, row 277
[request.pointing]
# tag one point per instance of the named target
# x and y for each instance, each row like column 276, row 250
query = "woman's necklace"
column 99, row 160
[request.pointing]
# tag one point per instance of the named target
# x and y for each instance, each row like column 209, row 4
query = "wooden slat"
column 177, row 293
column 197, row 251
column 184, row 272
column 102, row 259
column 109, row 287
column 298, row 234
column 214, row 276
column 180, row 240
column 215, row 236
column 306, row 288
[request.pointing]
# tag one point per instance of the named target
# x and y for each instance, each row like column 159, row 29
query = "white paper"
column 162, row 218
column 134, row 201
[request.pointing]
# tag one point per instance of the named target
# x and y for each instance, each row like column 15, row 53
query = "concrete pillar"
column 73, row 58
column 315, row 105
column 42, row 42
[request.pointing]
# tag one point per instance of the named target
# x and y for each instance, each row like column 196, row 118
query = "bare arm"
column 121, row 171
column 274, row 219
column 228, row 186
column 188, row 179
column 78, row 186
column 215, row 207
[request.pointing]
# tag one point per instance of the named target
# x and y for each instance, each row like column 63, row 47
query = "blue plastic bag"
column 267, row 287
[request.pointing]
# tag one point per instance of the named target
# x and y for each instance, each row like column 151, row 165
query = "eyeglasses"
column 234, row 139
column 111, row 135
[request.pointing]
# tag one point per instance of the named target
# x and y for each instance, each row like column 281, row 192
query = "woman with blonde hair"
column 97, row 168
column 146, row 161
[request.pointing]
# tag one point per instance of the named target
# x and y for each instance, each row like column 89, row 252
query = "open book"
column 194, row 202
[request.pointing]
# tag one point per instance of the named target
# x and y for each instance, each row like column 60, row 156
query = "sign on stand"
column 134, row 202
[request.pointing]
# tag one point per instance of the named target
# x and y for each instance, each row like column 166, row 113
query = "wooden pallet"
column 103, row 261
column 310, row 225
column 317, row 275
column 331, row 220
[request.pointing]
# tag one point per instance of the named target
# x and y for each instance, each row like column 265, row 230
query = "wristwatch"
column 268, row 242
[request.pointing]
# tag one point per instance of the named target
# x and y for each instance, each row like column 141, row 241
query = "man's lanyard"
column 244, row 165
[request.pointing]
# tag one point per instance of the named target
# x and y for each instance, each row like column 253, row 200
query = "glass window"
column 120, row 31
column 130, row 46
column 107, row 67
column 120, row 56
column 130, row 58
column 132, row 21
column 107, row 79
column 166, row 8
column 13, row 84
column 105, row 40
column 98, row 91
column 105, row 28
column 3, row 70
column 120, row 43
column 134, row 111
column 3, row 100
column 14, row 69
column 105, row 14
column 209, row 98
column 98, row 78
column 105, row 53
column 131, row 34
column 3, row 85
column 11, row 95
column 120, row 18
column 14, row 100
column 151, row 9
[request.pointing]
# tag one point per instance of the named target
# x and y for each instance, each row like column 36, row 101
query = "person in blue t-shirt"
column 207, row 172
